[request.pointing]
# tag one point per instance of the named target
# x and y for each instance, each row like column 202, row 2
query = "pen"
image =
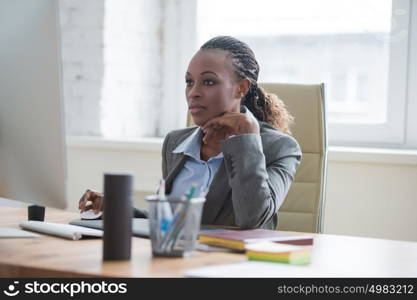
column 181, row 215
column 164, row 211
column 192, row 191
column 179, row 221
column 161, row 190
column 204, row 192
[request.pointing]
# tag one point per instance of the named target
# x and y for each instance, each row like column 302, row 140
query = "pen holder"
column 174, row 225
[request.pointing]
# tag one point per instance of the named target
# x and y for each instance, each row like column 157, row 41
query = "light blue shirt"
column 195, row 170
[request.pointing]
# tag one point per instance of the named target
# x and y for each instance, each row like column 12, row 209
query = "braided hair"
column 266, row 107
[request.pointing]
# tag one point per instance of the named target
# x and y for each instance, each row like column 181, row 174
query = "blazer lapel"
column 216, row 196
column 179, row 161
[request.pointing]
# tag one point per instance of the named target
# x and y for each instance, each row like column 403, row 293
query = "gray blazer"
column 252, row 181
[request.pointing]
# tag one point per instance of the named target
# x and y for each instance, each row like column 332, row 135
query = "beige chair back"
column 303, row 207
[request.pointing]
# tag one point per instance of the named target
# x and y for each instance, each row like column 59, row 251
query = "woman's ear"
column 243, row 87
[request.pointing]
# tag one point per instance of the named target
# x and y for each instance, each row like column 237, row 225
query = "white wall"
column 111, row 63
column 371, row 199
column 82, row 63
column 89, row 159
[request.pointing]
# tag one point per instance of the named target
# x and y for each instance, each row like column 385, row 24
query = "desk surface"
column 333, row 256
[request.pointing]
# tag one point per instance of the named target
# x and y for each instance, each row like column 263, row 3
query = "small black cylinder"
column 36, row 213
column 117, row 216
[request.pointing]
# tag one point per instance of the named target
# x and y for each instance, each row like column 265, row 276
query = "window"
column 357, row 48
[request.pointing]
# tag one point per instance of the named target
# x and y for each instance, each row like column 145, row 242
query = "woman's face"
column 211, row 86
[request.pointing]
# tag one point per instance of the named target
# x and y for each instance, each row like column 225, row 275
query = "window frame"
column 179, row 45
column 411, row 123
column 392, row 132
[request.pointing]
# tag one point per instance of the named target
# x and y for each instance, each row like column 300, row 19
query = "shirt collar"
column 191, row 146
column 247, row 112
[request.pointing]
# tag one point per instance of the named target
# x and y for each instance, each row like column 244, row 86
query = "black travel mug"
column 117, row 216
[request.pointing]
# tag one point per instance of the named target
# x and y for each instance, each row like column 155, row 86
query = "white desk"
column 332, row 256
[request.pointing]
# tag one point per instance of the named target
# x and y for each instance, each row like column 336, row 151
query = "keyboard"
column 140, row 227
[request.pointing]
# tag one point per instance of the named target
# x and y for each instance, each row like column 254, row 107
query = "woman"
column 241, row 152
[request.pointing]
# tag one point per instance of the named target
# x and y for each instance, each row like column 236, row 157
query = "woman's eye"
column 208, row 82
column 188, row 82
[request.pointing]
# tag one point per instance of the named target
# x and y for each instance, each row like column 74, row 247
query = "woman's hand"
column 91, row 200
column 229, row 124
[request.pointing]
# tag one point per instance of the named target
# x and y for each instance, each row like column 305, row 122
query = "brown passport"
column 237, row 239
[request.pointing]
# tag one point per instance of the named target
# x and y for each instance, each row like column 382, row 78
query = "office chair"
column 303, row 208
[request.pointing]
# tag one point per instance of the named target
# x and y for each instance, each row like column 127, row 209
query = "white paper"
column 6, row 232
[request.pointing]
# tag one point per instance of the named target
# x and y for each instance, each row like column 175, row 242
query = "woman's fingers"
column 207, row 136
column 227, row 119
column 226, row 125
column 97, row 203
column 90, row 200
column 214, row 132
column 83, row 201
column 220, row 134
column 216, row 124
column 100, row 205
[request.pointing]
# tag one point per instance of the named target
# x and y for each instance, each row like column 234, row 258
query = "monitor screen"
column 32, row 136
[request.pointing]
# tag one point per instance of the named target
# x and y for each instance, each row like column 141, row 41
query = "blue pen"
column 177, row 223
column 192, row 191
column 165, row 212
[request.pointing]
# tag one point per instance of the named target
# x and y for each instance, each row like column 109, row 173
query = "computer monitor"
column 32, row 136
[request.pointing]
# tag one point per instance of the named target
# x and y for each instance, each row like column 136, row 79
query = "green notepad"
column 276, row 252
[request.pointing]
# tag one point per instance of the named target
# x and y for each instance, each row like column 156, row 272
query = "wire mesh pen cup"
column 174, row 224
